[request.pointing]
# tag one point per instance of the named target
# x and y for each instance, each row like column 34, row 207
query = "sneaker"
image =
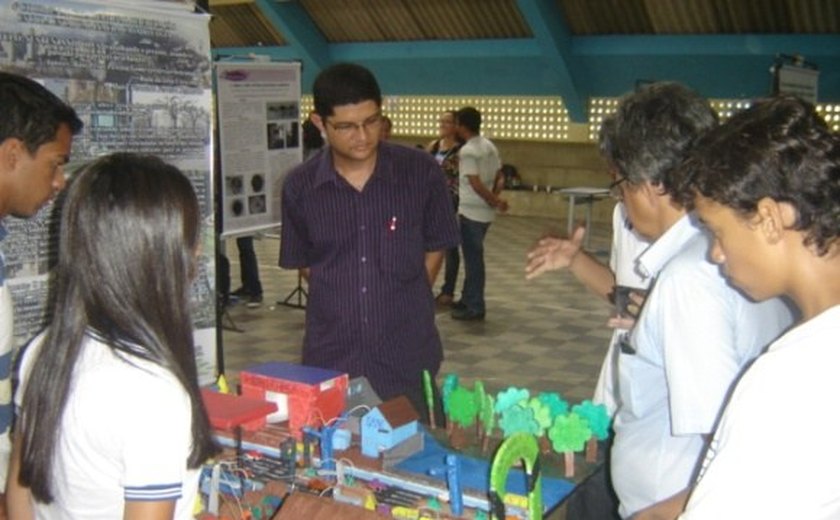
column 254, row 301
column 240, row 293
column 467, row 315
column 458, row 306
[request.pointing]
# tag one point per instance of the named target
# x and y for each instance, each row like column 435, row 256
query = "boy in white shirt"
column 767, row 184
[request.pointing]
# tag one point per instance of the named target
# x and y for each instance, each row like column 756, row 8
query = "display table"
column 515, row 457
column 582, row 195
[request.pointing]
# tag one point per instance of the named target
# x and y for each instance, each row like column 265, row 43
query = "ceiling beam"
column 552, row 34
column 717, row 66
column 297, row 28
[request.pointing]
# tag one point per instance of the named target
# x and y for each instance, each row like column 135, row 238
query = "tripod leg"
column 298, row 292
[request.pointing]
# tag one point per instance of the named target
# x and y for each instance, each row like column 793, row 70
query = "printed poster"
column 260, row 140
column 139, row 76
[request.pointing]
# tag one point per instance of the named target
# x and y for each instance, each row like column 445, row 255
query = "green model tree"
column 450, row 382
column 544, row 420
column 462, row 407
column 569, row 434
column 462, row 413
column 518, row 418
column 429, row 394
column 479, row 395
column 555, row 403
column 507, row 398
column 598, row 420
column 487, row 417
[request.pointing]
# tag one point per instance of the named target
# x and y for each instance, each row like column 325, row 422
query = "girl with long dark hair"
column 111, row 420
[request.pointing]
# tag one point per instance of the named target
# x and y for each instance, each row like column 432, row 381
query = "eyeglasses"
column 370, row 124
column 615, row 188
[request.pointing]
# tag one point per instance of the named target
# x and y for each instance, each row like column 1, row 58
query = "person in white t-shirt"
column 111, row 422
column 767, row 185
column 479, row 166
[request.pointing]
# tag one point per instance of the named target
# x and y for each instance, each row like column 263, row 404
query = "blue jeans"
column 472, row 246
column 249, row 270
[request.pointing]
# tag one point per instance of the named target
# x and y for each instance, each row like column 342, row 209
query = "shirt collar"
column 667, row 246
column 384, row 169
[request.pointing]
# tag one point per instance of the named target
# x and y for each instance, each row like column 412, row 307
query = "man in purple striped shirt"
column 368, row 222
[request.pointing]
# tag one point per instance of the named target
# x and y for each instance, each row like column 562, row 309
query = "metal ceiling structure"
column 575, row 49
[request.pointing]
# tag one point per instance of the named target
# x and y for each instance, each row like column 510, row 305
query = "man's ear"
column 10, row 152
column 775, row 218
column 317, row 121
column 654, row 194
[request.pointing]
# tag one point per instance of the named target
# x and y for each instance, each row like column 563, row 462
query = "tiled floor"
column 544, row 334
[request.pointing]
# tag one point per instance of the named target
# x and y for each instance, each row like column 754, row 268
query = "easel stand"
column 227, row 320
column 298, row 293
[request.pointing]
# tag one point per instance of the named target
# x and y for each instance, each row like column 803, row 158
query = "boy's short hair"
column 470, row 118
column 779, row 148
column 32, row 113
column 344, row 84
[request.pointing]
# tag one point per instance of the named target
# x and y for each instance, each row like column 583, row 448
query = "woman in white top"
column 111, row 421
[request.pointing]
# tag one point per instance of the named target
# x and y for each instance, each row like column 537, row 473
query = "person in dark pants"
column 478, row 166
column 445, row 150
column 249, row 272
column 595, row 498
column 368, row 221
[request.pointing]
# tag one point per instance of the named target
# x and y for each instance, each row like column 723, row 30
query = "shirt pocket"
column 401, row 252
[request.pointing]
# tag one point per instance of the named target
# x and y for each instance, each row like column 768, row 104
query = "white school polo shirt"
column 775, row 454
column 693, row 337
column 125, row 435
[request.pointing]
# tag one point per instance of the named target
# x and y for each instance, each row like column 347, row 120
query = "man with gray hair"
column 695, row 333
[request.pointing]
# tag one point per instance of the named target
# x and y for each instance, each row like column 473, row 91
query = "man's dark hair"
column 779, row 148
column 32, row 113
column 344, row 84
column 470, row 118
column 653, row 130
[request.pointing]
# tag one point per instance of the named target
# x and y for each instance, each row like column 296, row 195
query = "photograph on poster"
column 292, row 133
column 276, row 136
column 237, row 207
column 234, row 185
column 140, row 79
column 282, row 111
column 259, row 133
column 257, row 183
column 256, row 204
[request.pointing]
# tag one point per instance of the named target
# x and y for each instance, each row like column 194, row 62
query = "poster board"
column 798, row 80
column 139, row 76
column 259, row 140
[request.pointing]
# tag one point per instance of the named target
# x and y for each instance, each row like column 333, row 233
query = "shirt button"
column 364, row 259
column 362, row 227
column 364, row 290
